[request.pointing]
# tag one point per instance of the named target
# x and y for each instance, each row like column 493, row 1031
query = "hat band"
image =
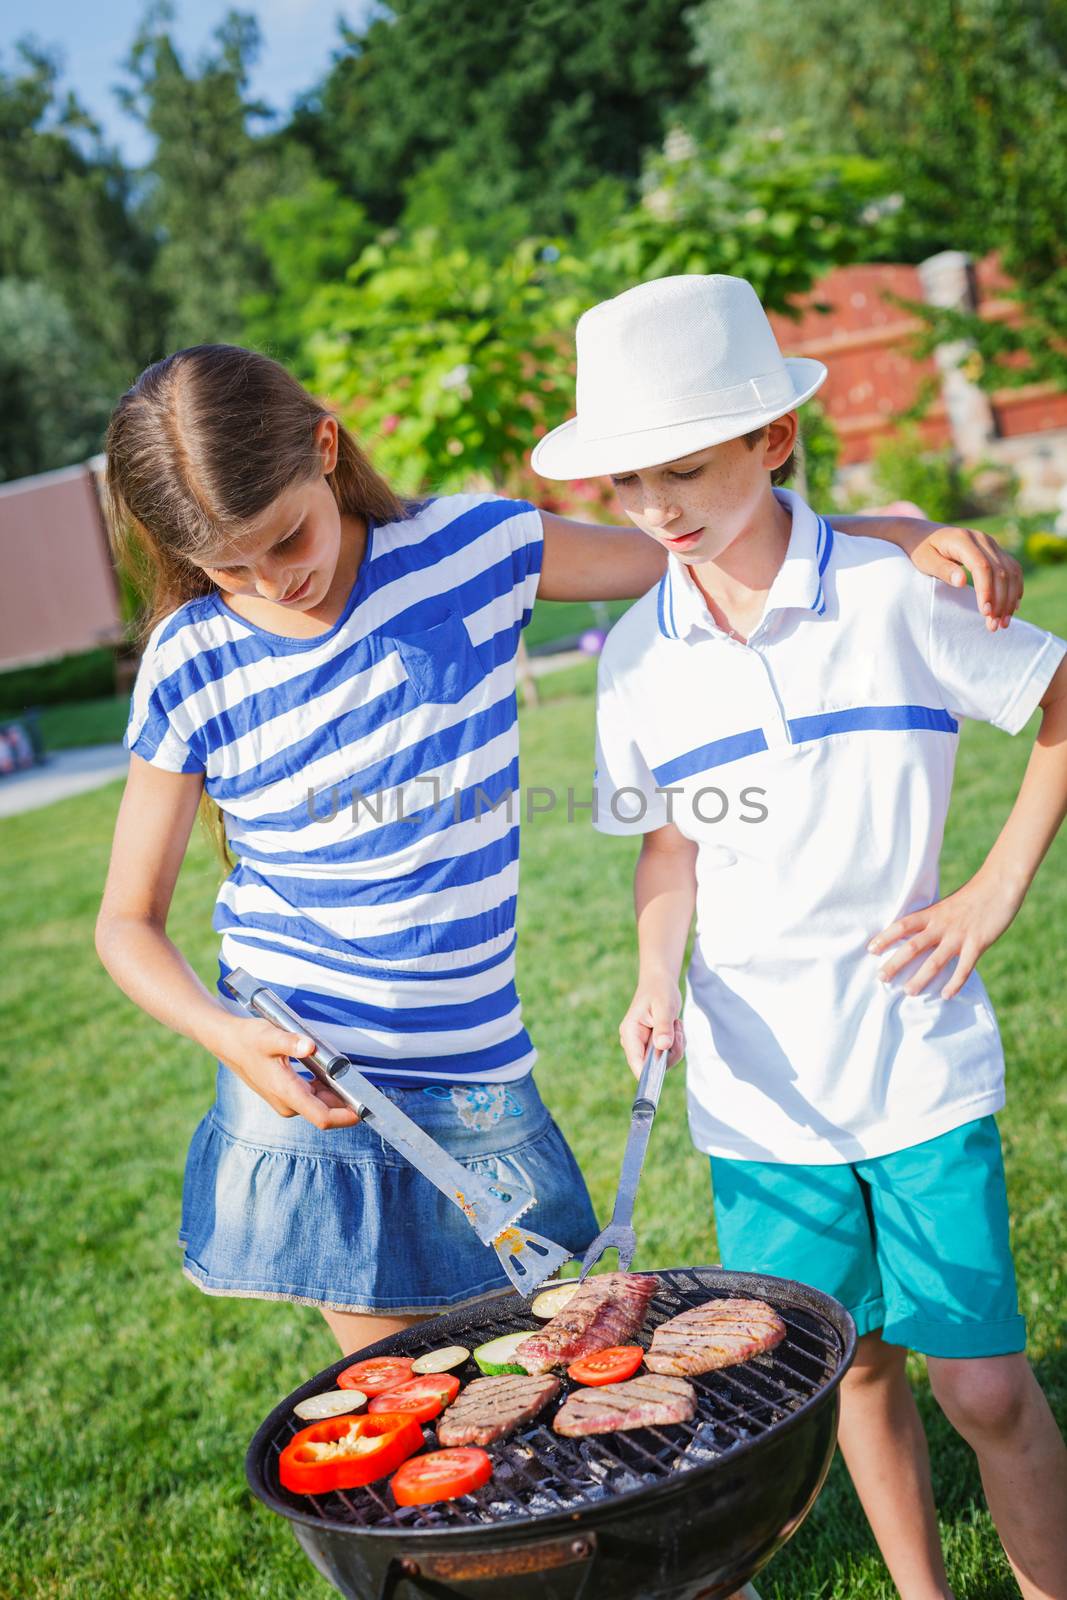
column 772, row 389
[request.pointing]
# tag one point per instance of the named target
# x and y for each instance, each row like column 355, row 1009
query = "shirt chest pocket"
column 440, row 662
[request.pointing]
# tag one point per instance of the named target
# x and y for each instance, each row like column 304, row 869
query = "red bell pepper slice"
column 345, row 1452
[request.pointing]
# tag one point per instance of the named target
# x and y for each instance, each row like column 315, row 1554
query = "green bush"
column 905, row 468
column 90, row 675
column 1046, row 549
column 820, row 448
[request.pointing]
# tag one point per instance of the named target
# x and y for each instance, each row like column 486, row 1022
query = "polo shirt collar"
column 798, row 583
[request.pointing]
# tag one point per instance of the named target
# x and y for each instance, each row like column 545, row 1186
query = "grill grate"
column 538, row 1473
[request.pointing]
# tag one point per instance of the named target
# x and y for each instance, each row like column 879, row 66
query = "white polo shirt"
column 813, row 766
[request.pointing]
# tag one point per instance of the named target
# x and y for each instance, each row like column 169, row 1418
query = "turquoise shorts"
column 914, row 1243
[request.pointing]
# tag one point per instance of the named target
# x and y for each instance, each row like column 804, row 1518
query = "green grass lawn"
column 132, row 1396
column 82, row 722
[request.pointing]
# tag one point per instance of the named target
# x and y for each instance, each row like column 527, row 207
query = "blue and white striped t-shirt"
column 369, row 783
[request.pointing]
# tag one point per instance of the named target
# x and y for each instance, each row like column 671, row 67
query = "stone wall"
column 852, row 321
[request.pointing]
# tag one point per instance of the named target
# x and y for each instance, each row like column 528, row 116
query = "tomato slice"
column 376, row 1375
column 422, row 1398
column 614, row 1365
column 345, row 1452
column 441, row 1475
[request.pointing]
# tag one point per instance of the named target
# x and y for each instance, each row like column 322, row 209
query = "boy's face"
column 696, row 506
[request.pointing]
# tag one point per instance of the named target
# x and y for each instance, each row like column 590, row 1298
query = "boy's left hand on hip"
column 945, row 552
column 961, row 926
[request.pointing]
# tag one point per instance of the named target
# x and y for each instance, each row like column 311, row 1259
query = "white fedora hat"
column 671, row 367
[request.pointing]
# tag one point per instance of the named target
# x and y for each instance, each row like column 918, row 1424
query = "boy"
column 778, row 719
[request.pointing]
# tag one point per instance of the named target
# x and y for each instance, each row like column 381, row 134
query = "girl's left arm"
column 583, row 561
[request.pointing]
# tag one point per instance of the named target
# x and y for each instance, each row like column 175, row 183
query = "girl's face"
column 289, row 554
column 697, row 506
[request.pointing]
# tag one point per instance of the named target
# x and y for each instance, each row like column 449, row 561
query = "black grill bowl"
column 686, row 1512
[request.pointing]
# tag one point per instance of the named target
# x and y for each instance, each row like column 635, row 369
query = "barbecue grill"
column 685, row 1512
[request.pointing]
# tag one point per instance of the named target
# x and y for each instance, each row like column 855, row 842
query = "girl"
column 330, row 675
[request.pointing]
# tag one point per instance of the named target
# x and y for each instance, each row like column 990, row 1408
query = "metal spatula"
column 619, row 1234
column 492, row 1209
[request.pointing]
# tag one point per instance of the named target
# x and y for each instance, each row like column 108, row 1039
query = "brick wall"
column 867, row 342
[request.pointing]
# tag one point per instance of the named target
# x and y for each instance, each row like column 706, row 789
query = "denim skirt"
column 274, row 1208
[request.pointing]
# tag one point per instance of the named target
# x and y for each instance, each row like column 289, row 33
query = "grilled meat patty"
column 647, row 1401
column 489, row 1408
column 716, row 1334
column 606, row 1310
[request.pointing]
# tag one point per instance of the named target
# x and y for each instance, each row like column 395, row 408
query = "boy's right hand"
column 652, row 1018
column 258, row 1052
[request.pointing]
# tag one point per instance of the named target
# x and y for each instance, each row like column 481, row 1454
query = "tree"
column 209, row 173
column 961, row 100
column 69, row 223
column 309, row 239
column 450, row 365
column 53, row 406
column 762, row 208
column 446, row 363
column 524, row 107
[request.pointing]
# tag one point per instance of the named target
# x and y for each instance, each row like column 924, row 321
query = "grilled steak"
column 647, row 1401
column 606, row 1310
column 717, row 1334
column 489, row 1408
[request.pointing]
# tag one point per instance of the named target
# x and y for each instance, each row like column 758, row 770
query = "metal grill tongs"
column 492, row 1209
column 619, row 1234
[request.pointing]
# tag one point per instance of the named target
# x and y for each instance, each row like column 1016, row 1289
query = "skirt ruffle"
column 274, row 1208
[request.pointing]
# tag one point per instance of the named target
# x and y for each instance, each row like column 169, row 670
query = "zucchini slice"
column 550, row 1301
column 331, row 1403
column 498, row 1356
column 443, row 1360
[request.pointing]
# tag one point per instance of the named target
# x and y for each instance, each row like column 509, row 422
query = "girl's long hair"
column 201, row 445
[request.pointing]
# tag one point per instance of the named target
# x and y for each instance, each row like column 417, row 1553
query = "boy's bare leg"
column 996, row 1404
column 354, row 1330
column 884, row 1446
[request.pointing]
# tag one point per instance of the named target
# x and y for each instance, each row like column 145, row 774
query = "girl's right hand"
column 258, row 1052
column 652, row 1017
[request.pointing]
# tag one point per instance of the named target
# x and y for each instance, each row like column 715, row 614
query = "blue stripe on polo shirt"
column 660, row 592
column 824, row 543
column 716, row 754
column 803, row 730
column 861, row 719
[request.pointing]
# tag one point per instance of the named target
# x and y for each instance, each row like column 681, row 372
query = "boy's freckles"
column 698, row 505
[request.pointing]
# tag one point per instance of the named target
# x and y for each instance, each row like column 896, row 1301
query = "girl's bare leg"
column 996, row 1404
column 884, row 1446
column 355, row 1331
